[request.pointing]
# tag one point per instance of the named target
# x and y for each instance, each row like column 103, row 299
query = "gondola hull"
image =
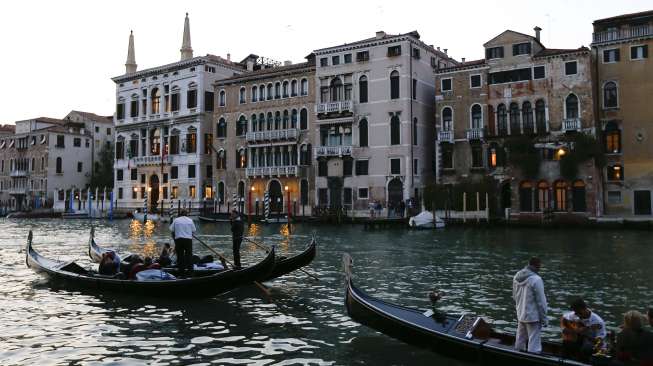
column 69, row 275
column 444, row 334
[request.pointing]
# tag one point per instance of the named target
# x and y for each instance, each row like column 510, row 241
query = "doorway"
column 642, row 202
column 276, row 196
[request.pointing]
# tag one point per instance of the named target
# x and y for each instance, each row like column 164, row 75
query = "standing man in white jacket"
column 530, row 303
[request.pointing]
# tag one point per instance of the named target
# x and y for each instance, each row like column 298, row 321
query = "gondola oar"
column 259, row 285
column 267, row 250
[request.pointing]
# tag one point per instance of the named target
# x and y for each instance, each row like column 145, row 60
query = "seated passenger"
column 629, row 345
column 145, row 264
column 109, row 264
column 164, row 258
column 583, row 331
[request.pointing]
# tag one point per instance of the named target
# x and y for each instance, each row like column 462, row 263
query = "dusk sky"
column 60, row 56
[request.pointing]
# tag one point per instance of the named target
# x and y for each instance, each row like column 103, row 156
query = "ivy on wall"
column 523, row 155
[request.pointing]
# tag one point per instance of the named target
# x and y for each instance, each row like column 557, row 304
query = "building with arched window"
column 268, row 140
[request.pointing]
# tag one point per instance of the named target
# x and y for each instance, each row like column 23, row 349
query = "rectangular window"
column 509, row 76
column 165, row 193
column 175, row 193
column 521, row 49
column 447, row 156
column 208, row 101
column 571, row 68
column 79, row 167
column 477, row 156
column 191, row 143
column 445, row 85
column 120, row 193
column 416, row 166
column 191, row 99
column 494, row 52
column 191, row 171
column 77, row 142
column 362, row 167
column 610, row 56
column 165, row 177
column 108, row 131
column 347, row 167
column 174, row 172
column 614, row 197
column 133, row 110
column 60, row 141
column 119, row 174
column 335, row 60
column 191, row 191
column 347, row 196
column 174, row 102
column 143, row 178
column 120, row 111
column 362, row 56
column 142, row 192
column 134, row 193
column 538, row 72
column 134, row 174
column 639, row 52
column 414, row 89
column 348, row 58
column 416, row 53
column 323, row 196
column 209, row 171
column 475, row 81
column 394, row 51
column 363, row 193
column 322, row 169
column 395, row 166
column 324, row 61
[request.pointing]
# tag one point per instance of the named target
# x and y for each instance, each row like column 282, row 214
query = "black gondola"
column 465, row 337
column 282, row 265
column 72, row 275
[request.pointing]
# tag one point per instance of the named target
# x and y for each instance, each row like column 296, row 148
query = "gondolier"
column 182, row 229
column 530, row 303
column 237, row 229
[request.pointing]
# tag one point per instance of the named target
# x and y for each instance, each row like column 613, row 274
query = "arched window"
column 571, row 106
column 394, row 85
column 336, row 90
column 502, row 120
column 362, row 133
column 277, row 90
column 221, row 192
column 270, row 122
column 261, row 93
column 293, row 119
column 515, row 128
column 526, row 197
column 284, row 89
column 285, row 119
column 304, row 87
column 527, row 118
column 395, row 127
column 191, row 96
column 221, row 130
column 254, row 94
column 254, row 124
column 221, row 99
column 242, row 96
column 269, row 94
column 221, row 162
column 277, row 120
column 305, row 154
column 415, row 131
column 261, row 122
column 560, row 201
column 304, row 192
column 612, row 138
column 540, row 116
column 156, row 100
column 542, row 196
column 241, row 157
column 59, row 166
column 610, row 96
column 303, row 119
column 293, row 88
column 578, row 201
column 241, row 126
column 447, row 119
column 477, row 116
column 362, row 89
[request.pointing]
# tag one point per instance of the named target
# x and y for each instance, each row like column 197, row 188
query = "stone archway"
column 395, row 194
column 276, row 196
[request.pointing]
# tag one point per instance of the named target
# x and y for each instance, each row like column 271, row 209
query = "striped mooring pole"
column 266, row 203
column 234, row 202
column 145, row 206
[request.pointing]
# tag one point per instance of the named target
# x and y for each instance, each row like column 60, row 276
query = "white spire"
column 186, row 50
column 130, row 65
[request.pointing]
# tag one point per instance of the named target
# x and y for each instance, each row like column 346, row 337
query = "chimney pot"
column 537, row 32
column 380, row 34
column 287, row 63
column 438, row 48
column 445, row 51
column 228, row 56
column 463, row 59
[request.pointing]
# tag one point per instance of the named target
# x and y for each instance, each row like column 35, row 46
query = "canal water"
column 304, row 322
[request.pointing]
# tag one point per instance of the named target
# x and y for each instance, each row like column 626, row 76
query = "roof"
column 625, row 17
column 515, row 32
column 179, row 65
column 262, row 73
column 94, row 117
column 463, row 66
column 8, row 128
column 547, row 52
column 63, row 129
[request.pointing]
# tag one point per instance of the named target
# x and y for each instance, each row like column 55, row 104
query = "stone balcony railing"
column 273, row 171
column 151, row 160
column 475, row 134
column 273, row 135
column 18, row 173
column 332, row 151
column 333, row 107
column 445, row 136
column 17, row 190
column 623, row 34
column 571, row 124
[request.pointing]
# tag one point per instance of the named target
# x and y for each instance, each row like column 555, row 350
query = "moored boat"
column 72, row 275
column 426, row 220
column 465, row 337
column 140, row 216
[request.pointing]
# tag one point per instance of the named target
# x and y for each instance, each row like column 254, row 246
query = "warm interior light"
column 561, row 152
column 135, row 189
column 493, row 158
column 149, row 189
column 253, row 188
column 286, row 188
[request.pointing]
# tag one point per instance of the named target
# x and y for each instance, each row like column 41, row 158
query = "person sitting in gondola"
column 633, row 345
column 583, row 331
column 109, row 264
column 164, row 257
column 147, row 264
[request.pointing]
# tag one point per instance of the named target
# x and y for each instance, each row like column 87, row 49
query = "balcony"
column 17, row 191
column 445, row 136
column 274, row 135
column 475, row 134
column 18, row 173
column 622, row 34
column 273, row 171
column 151, row 160
column 335, row 107
column 571, row 124
column 325, row 151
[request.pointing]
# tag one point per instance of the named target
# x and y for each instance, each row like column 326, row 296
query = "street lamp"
column 249, row 204
column 287, row 189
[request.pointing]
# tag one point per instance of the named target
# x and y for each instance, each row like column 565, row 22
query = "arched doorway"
column 154, row 192
column 395, row 194
column 276, row 196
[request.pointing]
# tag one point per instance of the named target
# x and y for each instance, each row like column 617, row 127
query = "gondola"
column 282, row 266
column 71, row 275
column 214, row 218
column 465, row 337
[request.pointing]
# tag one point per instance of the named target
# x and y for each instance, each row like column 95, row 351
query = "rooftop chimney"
column 380, row 34
column 445, row 51
column 537, row 33
column 287, row 63
column 463, row 59
column 250, row 65
column 438, row 48
column 228, row 56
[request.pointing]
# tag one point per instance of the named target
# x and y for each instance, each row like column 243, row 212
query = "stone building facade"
column 520, row 92
column 263, row 129
column 374, row 120
column 163, row 125
column 624, row 90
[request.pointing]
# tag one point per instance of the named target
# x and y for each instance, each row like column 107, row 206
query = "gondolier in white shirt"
column 530, row 303
column 182, row 229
